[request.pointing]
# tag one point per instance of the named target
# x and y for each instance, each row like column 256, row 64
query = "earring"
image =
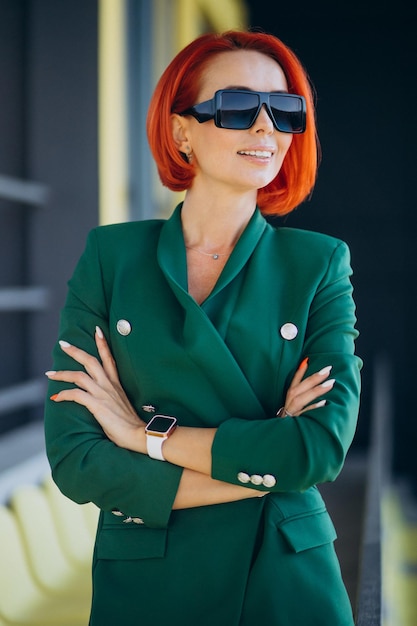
column 188, row 154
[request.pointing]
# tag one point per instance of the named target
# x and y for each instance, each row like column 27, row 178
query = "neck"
column 215, row 226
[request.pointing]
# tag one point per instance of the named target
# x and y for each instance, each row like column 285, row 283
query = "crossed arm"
column 98, row 388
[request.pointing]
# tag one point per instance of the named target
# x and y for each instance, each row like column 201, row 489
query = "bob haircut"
column 178, row 90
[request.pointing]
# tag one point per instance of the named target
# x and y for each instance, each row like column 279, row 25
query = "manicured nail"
column 328, row 383
column 64, row 344
column 321, row 403
column 325, row 370
column 54, row 397
column 99, row 332
column 303, row 363
column 50, row 373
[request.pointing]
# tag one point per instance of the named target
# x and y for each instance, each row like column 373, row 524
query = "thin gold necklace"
column 214, row 255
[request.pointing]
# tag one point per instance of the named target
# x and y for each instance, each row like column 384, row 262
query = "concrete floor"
column 345, row 502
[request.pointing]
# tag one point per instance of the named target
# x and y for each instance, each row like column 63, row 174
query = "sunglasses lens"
column 287, row 112
column 237, row 110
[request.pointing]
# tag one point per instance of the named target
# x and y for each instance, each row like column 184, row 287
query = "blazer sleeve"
column 303, row 451
column 85, row 464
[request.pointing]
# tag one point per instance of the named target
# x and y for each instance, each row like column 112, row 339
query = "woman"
column 180, row 341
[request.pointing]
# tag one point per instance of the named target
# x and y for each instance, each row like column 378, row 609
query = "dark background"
column 361, row 58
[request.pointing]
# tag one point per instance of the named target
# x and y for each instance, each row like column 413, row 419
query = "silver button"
column 149, row 408
column 289, row 331
column 256, row 479
column 243, row 477
column 124, row 327
column 269, row 480
column 129, row 519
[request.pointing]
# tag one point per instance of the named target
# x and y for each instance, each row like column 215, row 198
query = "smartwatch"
column 158, row 429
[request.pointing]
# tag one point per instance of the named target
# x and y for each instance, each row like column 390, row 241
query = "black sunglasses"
column 237, row 109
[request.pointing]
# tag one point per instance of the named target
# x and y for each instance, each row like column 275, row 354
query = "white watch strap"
column 154, row 446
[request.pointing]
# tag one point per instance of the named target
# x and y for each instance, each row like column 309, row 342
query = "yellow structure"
column 112, row 129
column 45, row 556
column 399, row 563
column 197, row 16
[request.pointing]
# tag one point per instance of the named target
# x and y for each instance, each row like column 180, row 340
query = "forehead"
column 241, row 68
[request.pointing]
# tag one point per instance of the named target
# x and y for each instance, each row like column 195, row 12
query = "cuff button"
column 269, row 481
column 243, row 477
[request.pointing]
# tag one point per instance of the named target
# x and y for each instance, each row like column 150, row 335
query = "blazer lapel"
column 204, row 326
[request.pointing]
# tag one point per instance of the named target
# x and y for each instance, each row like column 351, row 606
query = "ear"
column 180, row 133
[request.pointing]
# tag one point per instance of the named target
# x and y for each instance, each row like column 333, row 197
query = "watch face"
column 160, row 424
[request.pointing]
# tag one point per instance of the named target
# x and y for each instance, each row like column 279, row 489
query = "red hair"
column 178, row 89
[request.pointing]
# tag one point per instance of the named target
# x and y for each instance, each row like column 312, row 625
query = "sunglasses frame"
column 211, row 109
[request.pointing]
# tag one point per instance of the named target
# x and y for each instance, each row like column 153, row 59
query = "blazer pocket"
column 131, row 543
column 308, row 531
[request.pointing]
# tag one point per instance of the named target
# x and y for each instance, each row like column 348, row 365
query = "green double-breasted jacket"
column 284, row 294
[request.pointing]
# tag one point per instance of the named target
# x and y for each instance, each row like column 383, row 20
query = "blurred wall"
column 13, row 264
column 48, row 130
column 62, row 147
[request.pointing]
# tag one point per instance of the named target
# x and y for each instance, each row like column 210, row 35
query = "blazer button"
column 269, row 480
column 123, row 327
column 243, row 477
column 256, row 479
column 149, row 408
column 136, row 520
column 289, row 331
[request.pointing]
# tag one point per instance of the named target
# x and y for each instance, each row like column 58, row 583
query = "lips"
column 261, row 154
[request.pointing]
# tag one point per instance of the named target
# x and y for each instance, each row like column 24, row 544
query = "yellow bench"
column 46, row 544
column 399, row 561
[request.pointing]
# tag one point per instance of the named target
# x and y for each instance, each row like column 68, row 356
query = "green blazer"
column 284, row 294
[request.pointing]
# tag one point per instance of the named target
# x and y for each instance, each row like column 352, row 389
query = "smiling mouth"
column 261, row 154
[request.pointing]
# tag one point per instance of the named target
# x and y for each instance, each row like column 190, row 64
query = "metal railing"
column 23, row 299
column 369, row 610
column 21, row 396
column 23, row 191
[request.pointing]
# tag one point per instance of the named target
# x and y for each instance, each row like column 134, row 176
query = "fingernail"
column 328, row 383
column 54, row 397
column 50, row 373
column 321, row 403
column 325, row 370
column 303, row 363
column 64, row 344
column 99, row 332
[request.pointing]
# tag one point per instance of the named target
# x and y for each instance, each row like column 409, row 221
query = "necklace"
column 214, row 255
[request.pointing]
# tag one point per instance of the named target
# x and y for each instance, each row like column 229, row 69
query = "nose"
column 263, row 122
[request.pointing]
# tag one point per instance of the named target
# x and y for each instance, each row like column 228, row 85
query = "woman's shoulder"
column 125, row 231
column 310, row 238
column 309, row 249
column 117, row 244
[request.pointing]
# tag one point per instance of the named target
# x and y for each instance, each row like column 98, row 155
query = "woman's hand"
column 302, row 394
column 100, row 391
